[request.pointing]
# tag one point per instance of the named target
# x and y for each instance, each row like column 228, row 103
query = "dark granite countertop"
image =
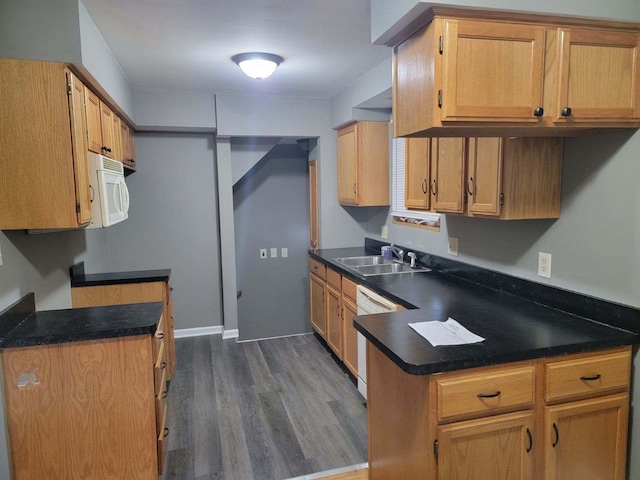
column 515, row 328
column 80, row 279
column 20, row 326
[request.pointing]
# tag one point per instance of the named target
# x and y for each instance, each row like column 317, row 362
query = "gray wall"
column 173, row 223
column 271, row 209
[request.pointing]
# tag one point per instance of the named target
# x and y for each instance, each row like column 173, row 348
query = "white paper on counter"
column 445, row 333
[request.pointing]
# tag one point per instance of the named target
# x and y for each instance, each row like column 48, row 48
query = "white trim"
column 233, row 333
column 334, row 471
column 197, row 332
column 272, row 338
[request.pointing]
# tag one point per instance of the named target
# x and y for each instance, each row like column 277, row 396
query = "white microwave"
column 109, row 194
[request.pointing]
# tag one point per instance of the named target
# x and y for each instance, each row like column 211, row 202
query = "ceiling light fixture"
column 256, row 64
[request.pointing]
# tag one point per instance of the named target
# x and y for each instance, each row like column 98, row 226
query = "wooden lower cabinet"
column 350, row 336
column 82, row 410
column 558, row 418
column 498, row 447
column 334, row 320
column 318, row 315
column 587, row 440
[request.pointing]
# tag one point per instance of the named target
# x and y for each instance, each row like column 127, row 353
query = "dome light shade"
column 257, row 65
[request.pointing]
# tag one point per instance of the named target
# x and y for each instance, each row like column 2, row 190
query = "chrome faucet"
column 397, row 252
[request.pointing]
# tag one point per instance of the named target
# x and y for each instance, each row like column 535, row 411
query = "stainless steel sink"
column 371, row 265
column 362, row 261
column 388, row 269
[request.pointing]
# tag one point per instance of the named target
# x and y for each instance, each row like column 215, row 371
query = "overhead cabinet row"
column 471, row 72
column 49, row 121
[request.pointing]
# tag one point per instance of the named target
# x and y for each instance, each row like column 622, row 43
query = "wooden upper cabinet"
column 491, row 71
column 363, row 164
column 94, row 130
column 493, row 177
column 417, row 166
column 79, row 147
column 117, row 140
column 448, row 156
column 598, row 78
column 495, row 73
column 106, row 127
column 43, row 170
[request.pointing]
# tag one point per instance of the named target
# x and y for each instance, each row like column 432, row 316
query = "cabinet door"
column 318, row 316
column 484, row 176
column 587, row 440
column 347, row 166
column 599, row 78
column 106, row 123
column 117, row 141
column 417, row 165
column 499, row 448
column 79, row 149
column 334, row 320
column 94, row 130
column 447, row 172
column 124, row 141
column 350, row 337
column 492, row 71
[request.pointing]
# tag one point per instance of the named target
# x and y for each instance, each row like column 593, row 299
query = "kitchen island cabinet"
column 80, row 390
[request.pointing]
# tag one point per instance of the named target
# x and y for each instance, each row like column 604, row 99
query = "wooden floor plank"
column 267, row 410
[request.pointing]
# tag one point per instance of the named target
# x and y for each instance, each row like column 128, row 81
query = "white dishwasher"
column 368, row 303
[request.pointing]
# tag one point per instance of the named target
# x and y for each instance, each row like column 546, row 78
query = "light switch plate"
column 274, row 252
column 263, row 253
column 452, row 247
column 385, row 232
column 284, row 252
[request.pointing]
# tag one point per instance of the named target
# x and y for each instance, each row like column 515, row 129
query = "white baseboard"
column 334, row 471
column 197, row 332
column 235, row 333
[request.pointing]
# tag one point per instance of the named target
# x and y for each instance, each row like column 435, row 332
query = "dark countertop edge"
column 80, row 279
column 85, row 337
column 448, row 366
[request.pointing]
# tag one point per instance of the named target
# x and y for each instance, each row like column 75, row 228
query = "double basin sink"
column 370, row 265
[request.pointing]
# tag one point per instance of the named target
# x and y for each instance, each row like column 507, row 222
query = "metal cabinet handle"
column 354, row 188
column 164, row 365
column 591, row 378
column 530, row 440
column 160, row 335
column 424, row 186
column 538, row 112
column 434, row 187
column 555, row 429
column 470, row 186
column 566, row 112
column 164, row 394
column 166, row 432
column 489, row 395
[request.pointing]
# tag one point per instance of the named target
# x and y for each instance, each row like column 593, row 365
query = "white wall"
column 385, row 13
column 40, row 30
column 175, row 111
column 102, row 65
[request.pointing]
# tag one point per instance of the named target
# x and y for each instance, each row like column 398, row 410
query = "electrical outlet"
column 452, row 247
column 263, row 253
column 274, row 252
column 385, row 232
column 284, row 252
column 544, row 265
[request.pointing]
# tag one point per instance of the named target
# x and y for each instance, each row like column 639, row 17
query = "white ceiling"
column 187, row 45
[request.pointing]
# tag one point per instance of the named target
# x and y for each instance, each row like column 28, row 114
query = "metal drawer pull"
column 591, row 379
column 530, row 440
column 160, row 335
column 555, row 429
column 164, row 394
column 166, row 432
column 164, row 365
column 489, row 395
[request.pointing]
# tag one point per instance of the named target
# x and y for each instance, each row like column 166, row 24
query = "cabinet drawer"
column 349, row 288
column 317, row 268
column 160, row 368
column 334, row 279
column 487, row 392
column 585, row 376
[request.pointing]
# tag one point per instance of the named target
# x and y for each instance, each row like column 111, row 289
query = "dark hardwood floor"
column 266, row 410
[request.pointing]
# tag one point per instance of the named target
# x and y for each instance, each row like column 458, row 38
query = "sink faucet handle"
column 413, row 258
